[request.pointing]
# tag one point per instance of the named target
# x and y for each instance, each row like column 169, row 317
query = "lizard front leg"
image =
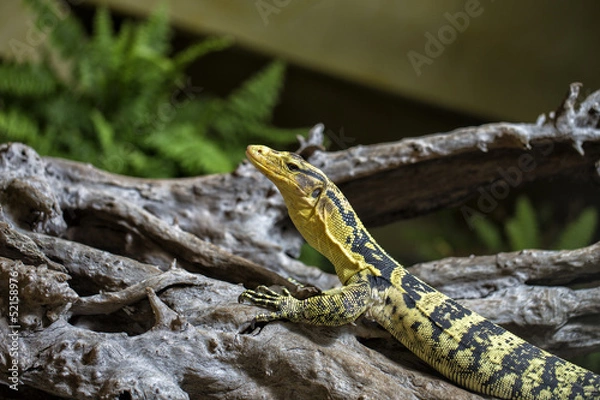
column 333, row 307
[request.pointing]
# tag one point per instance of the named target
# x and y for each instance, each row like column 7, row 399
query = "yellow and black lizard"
column 459, row 343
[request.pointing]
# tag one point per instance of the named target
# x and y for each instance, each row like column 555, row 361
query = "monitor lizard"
column 459, row 343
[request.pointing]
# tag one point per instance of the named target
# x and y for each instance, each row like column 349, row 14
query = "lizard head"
column 303, row 188
column 319, row 210
column 300, row 184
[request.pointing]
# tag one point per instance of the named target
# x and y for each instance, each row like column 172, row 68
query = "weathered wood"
column 104, row 311
column 441, row 170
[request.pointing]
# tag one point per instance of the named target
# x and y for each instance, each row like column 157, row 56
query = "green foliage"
column 446, row 233
column 580, row 232
column 125, row 104
column 522, row 230
column 488, row 233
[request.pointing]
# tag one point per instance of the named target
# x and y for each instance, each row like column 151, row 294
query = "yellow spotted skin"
column 459, row 343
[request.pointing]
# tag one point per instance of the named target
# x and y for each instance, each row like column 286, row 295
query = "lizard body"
column 459, row 343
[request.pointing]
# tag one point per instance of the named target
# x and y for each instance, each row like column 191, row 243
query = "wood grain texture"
column 83, row 241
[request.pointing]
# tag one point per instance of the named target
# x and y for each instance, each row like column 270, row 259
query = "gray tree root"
column 118, row 287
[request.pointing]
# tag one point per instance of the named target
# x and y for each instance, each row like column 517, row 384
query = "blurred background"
column 179, row 88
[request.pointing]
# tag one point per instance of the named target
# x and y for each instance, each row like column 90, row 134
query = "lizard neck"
column 335, row 231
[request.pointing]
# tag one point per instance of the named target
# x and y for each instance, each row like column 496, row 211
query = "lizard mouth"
column 263, row 158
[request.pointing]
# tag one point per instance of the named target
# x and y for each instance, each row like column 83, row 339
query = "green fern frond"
column 123, row 40
column 87, row 77
column 66, row 112
column 27, row 79
column 206, row 156
column 103, row 29
column 522, row 230
column 127, row 107
column 104, row 131
column 153, row 36
column 257, row 97
column 242, row 116
column 189, row 149
column 487, row 232
column 17, row 126
column 141, row 163
column 580, row 232
column 236, row 130
column 195, row 51
column 66, row 33
column 96, row 73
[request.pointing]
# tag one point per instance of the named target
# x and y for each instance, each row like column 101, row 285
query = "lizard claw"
column 263, row 296
column 253, row 327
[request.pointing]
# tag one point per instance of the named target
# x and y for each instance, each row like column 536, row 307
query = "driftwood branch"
column 488, row 161
column 116, row 286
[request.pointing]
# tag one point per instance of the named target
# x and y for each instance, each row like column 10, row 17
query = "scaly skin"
column 459, row 343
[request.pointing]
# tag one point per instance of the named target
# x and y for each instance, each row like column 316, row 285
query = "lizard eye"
column 292, row 167
column 316, row 193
